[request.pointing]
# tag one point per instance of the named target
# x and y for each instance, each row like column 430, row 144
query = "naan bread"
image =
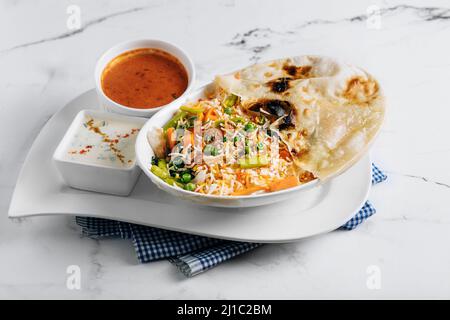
column 329, row 111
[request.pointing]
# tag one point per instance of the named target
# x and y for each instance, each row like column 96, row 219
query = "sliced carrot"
column 211, row 114
column 171, row 137
column 188, row 139
column 200, row 117
column 247, row 180
column 248, row 191
column 285, row 183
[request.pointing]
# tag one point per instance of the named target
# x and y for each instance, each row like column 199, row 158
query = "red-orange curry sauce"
column 144, row 78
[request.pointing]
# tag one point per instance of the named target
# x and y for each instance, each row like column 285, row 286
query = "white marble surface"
column 43, row 65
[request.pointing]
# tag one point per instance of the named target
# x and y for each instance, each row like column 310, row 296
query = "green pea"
column 190, row 186
column 228, row 110
column 249, row 126
column 186, row 177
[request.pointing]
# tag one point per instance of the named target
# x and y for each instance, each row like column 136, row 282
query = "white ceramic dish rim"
column 71, row 129
column 142, row 138
column 99, row 67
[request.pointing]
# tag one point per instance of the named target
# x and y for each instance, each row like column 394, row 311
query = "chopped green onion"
column 162, row 164
column 253, row 162
column 191, row 122
column 173, row 182
column 238, row 120
column 172, row 122
column 230, row 101
column 217, row 123
column 195, row 110
column 157, row 171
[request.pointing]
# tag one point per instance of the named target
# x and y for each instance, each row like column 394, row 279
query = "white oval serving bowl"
column 109, row 105
column 144, row 154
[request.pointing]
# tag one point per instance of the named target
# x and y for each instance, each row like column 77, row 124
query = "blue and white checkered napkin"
column 191, row 254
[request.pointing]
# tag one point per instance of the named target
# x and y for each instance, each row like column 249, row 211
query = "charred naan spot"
column 284, row 126
column 307, row 176
column 304, row 133
column 279, row 85
column 276, row 108
column 360, row 90
column 300, row 72
column 256, row 107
